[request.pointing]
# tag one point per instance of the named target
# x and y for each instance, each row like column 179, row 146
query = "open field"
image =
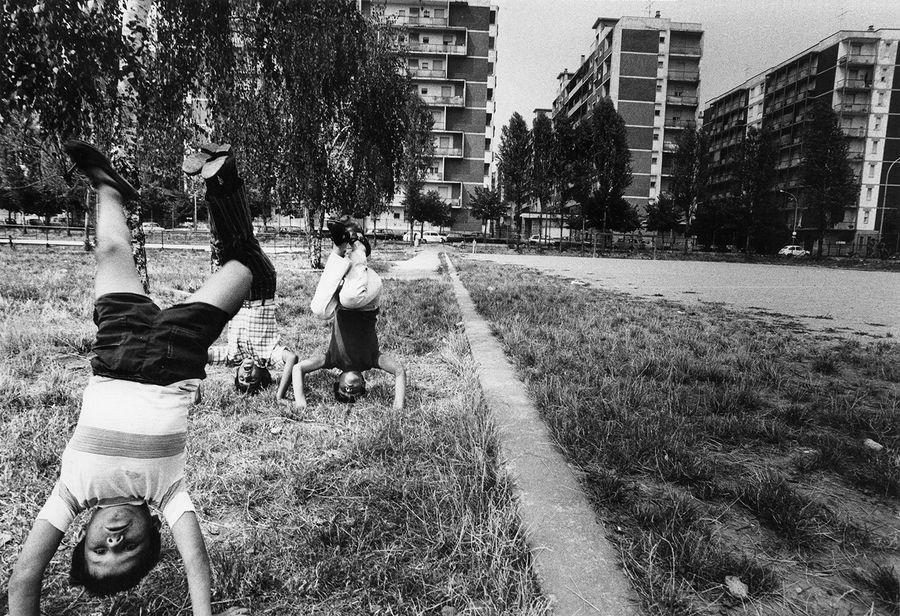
column 716, row 443
column 853, row 303
column 351, row 510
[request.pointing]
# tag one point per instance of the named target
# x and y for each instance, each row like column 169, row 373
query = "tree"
column 485, row 204
column 439, row 213
column 753, row 198
column 610, row 165
column 829, row 182
column 689, row 172
column 540, row 165
column 514, row 155
column 662, row 214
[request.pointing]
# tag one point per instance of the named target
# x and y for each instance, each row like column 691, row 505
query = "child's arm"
column 290, row 360
column 28, row 572
column 310, row 364
column 392, row 365
column 189, row 541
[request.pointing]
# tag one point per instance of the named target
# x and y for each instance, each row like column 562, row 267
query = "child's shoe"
column 96, row 166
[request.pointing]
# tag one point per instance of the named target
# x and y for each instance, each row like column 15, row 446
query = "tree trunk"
column 134, row 20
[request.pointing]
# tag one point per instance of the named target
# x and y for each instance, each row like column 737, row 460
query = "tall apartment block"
column 858, row 74
column 451, row 59
column 650, row 68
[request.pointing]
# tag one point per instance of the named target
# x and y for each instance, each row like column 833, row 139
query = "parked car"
column 793, row 250
column 150, row 226
column 430, row 237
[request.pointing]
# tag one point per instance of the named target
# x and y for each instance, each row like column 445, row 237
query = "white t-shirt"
column 128, row 447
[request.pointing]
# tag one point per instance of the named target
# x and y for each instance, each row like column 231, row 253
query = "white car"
column 793, row 250
column 433, row 238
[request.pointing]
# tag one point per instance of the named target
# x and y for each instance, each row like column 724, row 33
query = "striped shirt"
column 128, row 447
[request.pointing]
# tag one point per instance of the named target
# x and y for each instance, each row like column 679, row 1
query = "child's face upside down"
column 116, row 538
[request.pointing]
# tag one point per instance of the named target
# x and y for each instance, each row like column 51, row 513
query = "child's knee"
column 112, row 249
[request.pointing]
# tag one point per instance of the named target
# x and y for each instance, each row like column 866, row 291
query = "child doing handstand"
column 253, row 344
column 128, row 448
column 348, row 292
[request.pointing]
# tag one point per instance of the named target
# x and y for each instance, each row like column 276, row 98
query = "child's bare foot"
column 235, row 611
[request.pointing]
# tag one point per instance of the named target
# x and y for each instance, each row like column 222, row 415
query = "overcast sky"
column 537, row 39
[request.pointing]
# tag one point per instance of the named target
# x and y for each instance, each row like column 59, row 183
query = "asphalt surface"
column 849, row 302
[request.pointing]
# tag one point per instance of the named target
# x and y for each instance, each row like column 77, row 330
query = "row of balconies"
column 449, row 101
column 851, row 83
column 789, row 79
column 679, row 123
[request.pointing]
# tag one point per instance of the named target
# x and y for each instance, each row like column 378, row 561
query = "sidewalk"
column 576, row 566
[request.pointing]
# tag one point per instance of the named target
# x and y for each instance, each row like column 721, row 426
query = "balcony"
column 433, row 177
column 454, row 203
column 410, row 20
column 854, row 131
column 682, row 100
column 862, row 108
column 667, row 171
column 439, row 125
column 685, row 50
column 679, row 123
column 450, row 101
column 855, row 155
column 684, row 75
column 854, row 84
column 670, row 146
column 448, row 152
column 857, row 58
column 458, row 50
column 428, row 73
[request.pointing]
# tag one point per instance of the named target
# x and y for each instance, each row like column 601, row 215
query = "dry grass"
column 717, row 443
column 353, row 510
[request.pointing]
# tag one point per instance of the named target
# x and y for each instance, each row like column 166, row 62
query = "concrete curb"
column 576, row 566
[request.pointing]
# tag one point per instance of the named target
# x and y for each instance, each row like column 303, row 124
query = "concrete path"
column 849, row 301
column 423, row 265
column 577, row 568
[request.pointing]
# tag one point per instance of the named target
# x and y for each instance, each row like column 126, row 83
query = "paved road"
column 823, row 298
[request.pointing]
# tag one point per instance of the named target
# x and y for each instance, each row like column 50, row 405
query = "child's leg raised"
column 115, row 263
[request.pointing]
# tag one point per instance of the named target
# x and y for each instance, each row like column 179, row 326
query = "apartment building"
column 650, row 68
column 452, row 58
column 858, row 74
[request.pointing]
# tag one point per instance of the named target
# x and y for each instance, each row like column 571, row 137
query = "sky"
column 537, row 39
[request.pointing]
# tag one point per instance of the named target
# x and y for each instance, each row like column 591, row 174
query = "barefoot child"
column 128, row 449
column 253, row 341
column 348, row 292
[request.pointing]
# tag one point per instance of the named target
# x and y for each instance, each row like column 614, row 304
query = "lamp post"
column 887, row 181
column 796, row 203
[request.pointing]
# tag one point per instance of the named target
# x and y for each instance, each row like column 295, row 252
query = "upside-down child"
column 348, row 292
column 253, row 344
column 128, row 449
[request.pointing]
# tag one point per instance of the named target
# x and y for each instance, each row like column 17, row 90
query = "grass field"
column 716, row 444
column 350, row 510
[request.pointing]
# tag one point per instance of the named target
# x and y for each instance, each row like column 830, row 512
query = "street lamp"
column 887, row 181
column 796, row 203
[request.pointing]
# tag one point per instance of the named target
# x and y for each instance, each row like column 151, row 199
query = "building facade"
column 650, row 68
column 451, row 59
column 858, row 74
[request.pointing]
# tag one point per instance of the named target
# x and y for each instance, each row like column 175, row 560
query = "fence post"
column 473, row 247
column 594, row 245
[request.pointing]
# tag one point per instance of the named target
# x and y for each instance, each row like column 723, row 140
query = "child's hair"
column 265, row 379
column 344, row 397
column 101, row 587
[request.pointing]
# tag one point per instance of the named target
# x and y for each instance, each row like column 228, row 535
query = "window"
column 869, row 193
column 413, row 63
column 426, row 65
column 662, row 39
column 447, row 142
column 449, row 39
column 425, row 40
column 396, row 215
column 656, row 112
column 654, row 160
column 652, row 183
column 880, row 98
column 655, row 136
column 871, row 171
column 865, row 217
column 446, row 91
column 877, row 122
column 424, row 90
column 426, row 13
column 439, row 13
column 660, row 63
column 433, row 170
column 659, row 87
column 874, row 145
